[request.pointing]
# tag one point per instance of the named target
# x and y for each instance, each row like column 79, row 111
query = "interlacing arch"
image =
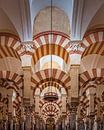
column 93, row 43
column 58, row 76
column 10, row 46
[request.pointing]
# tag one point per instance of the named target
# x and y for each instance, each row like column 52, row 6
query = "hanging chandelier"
column 51, row 96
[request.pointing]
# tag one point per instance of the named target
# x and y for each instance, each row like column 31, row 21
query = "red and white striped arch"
column 49, row 83
column 53, row 37
column 50, row 49
column 43, row 42
column 13, row 77
column 84, row 103
column 91, row 74
column 97, row 48
column 90, row 40
column 10, row 46
column 42, row 102
column 57, row 76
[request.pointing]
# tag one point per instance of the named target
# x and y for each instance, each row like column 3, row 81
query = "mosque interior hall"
column 51, row 64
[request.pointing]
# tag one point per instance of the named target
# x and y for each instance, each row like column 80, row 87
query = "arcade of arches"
column 67, row 56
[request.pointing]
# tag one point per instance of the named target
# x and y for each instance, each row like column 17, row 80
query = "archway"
column 50, row 124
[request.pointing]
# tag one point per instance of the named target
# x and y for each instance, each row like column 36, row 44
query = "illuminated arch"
column 57, row 63
column 46, row 50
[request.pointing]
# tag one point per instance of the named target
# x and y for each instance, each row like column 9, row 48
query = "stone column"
column 5, row 116
column 78, row 119
column 33, row 123
column 27, row 109
column 23, row 118
column 73, row 95
column 91, row 111
column 86, row 123
column 73, row 113
column 63, row 121
column 27, row 92
column 97, row 121
column 63, row 109
column 37, row 122
column 72, row 119
column 27, row 81
column 74, row 74
column 10, row 109
column 37, row 99
column 63, row 99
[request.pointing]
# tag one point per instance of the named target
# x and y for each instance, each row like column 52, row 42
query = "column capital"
column 73, row 104
column 28, row 46
column 75, row 45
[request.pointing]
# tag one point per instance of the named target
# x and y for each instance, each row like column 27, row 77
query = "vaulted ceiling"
column 17, row 16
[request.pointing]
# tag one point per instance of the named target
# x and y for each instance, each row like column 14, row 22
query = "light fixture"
column 49, row 95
